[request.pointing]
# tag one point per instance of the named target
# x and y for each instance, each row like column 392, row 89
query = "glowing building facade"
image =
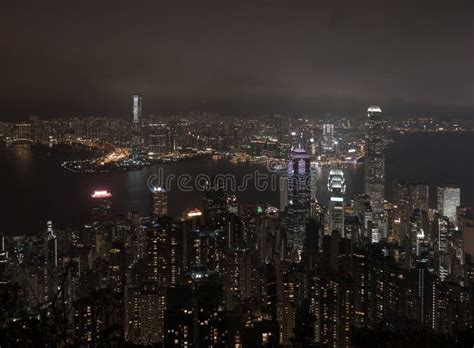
column 136, row 140
column 328, row 136
column 299, row 195
column 375, row 159
column 137, row 108
column 160, row 202
column 448, row 200
column 337, row 189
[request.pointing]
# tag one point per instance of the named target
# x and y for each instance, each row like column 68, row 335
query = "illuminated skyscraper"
column 407, row 197
column 418, row 196
column 137, row 108
column 50, row 262
column 374, row 159
column 402, row 212
column 215, row 203
column 336, row 188
column 102, row 209
column 449, row 198
column 52, row 246
column 160, row 202
column 328, row 136
column 299, row 195
column 152, row 308
column 136, row 140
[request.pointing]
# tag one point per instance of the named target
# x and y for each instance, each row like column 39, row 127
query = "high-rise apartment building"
column 160, row 202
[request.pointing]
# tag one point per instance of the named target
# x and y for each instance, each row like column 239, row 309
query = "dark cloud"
column 68, row 57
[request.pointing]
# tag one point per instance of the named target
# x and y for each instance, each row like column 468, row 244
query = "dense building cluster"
column 328, row 138
column 341, row 273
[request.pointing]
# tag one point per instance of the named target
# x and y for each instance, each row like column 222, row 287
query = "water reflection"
column 35, row 187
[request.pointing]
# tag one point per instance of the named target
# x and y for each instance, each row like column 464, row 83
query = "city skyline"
column 287, row 217
column 215, row 174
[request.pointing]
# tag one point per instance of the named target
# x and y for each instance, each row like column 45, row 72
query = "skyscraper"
column 402, row 208
column 137, row 108
column 50, row 262
column 336, row 188
column 160, row 202
column 328, row 136
column 103, row 206
column 51, row 246
column 299, row 194
column 448, row 199
column 374, row 159
column 136, row 139
column 408, row 197
column 215, row 203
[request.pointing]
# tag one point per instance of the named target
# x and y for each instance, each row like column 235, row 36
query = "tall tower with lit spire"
column 137, row 108
column 299, row 198
column 374, row 166
column 136, row 139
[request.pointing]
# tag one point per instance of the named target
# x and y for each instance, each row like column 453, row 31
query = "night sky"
column 62, row 58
